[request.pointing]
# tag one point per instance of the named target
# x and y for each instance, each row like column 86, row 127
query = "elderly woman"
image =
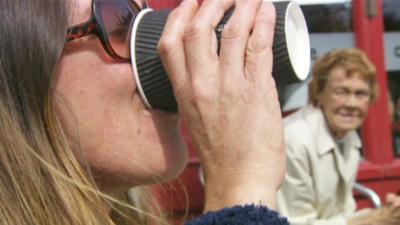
column 323, row 147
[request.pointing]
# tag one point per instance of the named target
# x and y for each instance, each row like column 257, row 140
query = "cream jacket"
column 318, row 184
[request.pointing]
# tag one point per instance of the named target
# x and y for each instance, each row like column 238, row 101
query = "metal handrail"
column 369, row 193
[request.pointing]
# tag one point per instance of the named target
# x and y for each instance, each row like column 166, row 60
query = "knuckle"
column 194, row 30
column 203, row 91
column 175, row 14
column 202, row 96
column 257, row 44
column 166, row 45
column 251, row 3
column 230, row 91
column 208, row 2
column 232, row 32
column 215, row 3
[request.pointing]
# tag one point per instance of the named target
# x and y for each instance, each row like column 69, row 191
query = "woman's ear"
column 319, row 100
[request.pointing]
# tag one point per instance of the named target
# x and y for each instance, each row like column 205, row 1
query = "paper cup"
column 291, row 52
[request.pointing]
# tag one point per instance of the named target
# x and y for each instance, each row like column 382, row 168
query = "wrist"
column 221, row 193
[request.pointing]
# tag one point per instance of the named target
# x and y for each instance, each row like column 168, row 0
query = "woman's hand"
column 393, row 200
column 387, row 215
column 229, row 101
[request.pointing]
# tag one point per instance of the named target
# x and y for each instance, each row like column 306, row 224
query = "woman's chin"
column 162, row 148
column 170, row 154
column 175, row 158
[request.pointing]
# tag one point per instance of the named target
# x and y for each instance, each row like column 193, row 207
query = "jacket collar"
column 324, row 140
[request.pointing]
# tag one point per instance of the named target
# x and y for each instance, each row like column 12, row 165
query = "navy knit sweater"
column 240, row 215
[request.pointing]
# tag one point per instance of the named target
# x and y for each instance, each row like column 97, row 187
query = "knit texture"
column 240, row 215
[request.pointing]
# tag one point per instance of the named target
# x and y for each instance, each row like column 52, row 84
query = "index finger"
column 171, row 46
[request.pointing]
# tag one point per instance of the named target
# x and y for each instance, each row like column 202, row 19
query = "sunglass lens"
column 118, row 17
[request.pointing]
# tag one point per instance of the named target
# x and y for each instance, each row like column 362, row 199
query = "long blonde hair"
column 41, row 181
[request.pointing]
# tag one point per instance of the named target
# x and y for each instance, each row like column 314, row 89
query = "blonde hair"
column 351, row 60
column 41, row 182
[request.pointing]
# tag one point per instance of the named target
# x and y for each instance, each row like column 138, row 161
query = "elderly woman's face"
column 344, row 101
column 107, row 124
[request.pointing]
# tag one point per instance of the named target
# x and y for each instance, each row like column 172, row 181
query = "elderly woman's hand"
column 388, row 215
column 393, row 200
column 229, row 101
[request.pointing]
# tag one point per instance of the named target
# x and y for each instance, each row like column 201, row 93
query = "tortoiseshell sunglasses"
column 111, row 22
